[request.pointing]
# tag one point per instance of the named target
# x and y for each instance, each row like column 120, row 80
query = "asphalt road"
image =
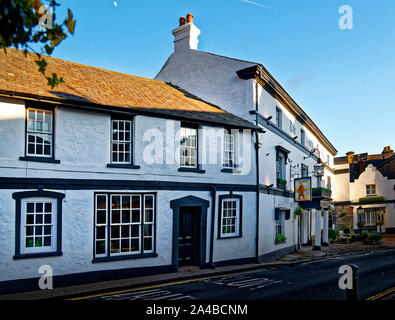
column 308, row 281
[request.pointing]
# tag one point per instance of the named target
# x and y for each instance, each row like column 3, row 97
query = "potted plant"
column 380, row 223
column 281, row 183
column 298, row 212
column 280, row 238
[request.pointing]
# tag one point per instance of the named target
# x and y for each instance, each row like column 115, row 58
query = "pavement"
column 303, row 256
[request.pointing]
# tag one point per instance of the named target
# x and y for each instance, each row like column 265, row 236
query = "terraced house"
column 289, row 146
column 111, row 175
column 366, row 190
column 105, row 176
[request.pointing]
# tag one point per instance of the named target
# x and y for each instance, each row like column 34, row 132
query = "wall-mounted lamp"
column 311, row 153
column 270, row 186
column 270, row 118
column 294, row 138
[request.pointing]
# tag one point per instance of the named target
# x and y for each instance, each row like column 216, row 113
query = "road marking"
column 157, row 294
column 382, row 294
column 158, row 286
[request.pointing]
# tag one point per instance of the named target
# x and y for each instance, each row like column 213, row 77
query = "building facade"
column 365, row 190
column 289, row 146
column 115, row 176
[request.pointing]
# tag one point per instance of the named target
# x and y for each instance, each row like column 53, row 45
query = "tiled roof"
column 19, row 77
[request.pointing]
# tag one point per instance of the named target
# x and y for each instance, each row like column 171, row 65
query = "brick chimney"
column 350, row 157
column 387, row 152
column 186, row 35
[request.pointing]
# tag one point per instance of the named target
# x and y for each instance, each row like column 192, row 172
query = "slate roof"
column 86, row 85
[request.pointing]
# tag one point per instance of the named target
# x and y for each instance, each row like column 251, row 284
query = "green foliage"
column 281, row 182
column 280, row 238
column 367, row 200
column 298, row 212
column 332, row 234
column 360, row 224
column 374, row 237
column 19, row 27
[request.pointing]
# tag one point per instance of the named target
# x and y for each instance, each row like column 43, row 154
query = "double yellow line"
column 158, row 286
column 382, row 294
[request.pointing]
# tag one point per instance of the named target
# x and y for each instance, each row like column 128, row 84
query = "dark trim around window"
column 18, row 196
column 224, row 197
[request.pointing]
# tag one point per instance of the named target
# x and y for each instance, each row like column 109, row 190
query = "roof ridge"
column 87, row 66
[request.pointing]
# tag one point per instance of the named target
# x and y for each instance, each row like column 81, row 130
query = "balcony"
column 322, row 193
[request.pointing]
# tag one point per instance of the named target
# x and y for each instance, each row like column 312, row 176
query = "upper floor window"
column 229, row 150
column 304, row 171
column 302, row 137
column 329, row 183
column 371, row 190
column 188, row 147
column 39, row 133
column 281, row 162
column 121, row 142
column 278, row 117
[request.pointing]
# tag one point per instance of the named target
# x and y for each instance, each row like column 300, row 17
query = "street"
column 307, row 281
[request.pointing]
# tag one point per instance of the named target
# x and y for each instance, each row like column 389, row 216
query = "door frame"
column 190, row 201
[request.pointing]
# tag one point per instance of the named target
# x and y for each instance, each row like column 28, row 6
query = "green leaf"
column 54, row 80
column 42, row 64
column 69, row 22
column 48, row 49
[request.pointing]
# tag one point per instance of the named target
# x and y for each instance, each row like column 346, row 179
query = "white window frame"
column 190, row 146
column 236, row 218
column 280, row 224
column 121, row 142
column 33, row 131
column 229, row 150
column 109, row 223
column 53, row 224
column 369, row 190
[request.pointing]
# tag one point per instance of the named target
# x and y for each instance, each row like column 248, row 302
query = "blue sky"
column 343, row 79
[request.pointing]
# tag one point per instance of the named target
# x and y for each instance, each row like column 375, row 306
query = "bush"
column 332, row 234
column 364, row 235
column 360, row 224
column 373, row 237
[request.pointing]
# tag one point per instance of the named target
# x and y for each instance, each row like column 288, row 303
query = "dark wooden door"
column 188, row 236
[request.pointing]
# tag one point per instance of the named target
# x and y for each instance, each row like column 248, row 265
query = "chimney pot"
column 189, row 18
column 182, row 21
column 350, row 157
column 387, row 152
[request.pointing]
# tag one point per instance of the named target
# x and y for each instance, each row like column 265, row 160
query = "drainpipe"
column 257, row 174
column 213, row 192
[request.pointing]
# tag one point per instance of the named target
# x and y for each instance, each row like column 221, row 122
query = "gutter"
column 257, row 175
column 213, row 191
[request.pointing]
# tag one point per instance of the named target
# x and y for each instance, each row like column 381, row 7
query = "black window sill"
column 124, row 166
column 39, row 159
column 196, row 170
column 37, row 255
column 126, row 257
column 229, row 170
column 233, row 237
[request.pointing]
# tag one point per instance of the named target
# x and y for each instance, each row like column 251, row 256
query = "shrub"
column 374, row 237
column 364, row 235
column 332, row 233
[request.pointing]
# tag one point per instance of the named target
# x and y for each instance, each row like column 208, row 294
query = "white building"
column 365, row 189
column 290, row 146
column 112, row 176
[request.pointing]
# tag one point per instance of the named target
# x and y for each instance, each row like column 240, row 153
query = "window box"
column 367, row 200
column 322, row 193
column 281, row 183
column 280, row 238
